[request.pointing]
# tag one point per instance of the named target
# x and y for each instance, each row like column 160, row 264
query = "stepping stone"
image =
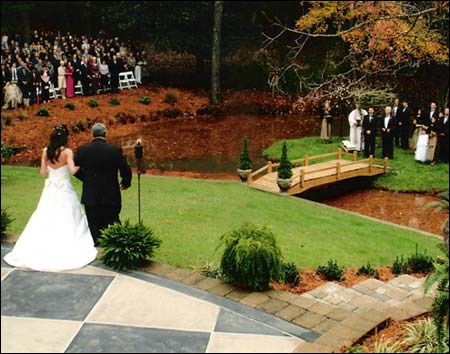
column 325, row 290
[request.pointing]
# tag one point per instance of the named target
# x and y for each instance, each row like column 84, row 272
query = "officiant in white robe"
column 355, row 122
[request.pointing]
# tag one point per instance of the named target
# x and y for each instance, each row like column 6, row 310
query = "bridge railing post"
column 269, row 167
column 339, row 154
column 302, row 178
column 306, row 161
column 370, row 163
column 385, row 163
column 355, row 155
column 338, row 171
column 250, row 178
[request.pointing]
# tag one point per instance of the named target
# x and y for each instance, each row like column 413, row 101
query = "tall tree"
column 215, row 56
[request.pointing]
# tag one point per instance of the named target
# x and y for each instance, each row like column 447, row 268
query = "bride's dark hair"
column 58, row 140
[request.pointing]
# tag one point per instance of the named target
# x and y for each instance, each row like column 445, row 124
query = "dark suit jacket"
column 100, row 163
column 370, row 125
column 435, row 114
column 392, row 126
column 404, row 117
column 442, row 128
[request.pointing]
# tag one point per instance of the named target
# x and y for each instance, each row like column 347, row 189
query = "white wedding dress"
column 57, row 236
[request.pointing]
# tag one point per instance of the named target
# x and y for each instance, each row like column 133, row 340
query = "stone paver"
column 290, row 312
column 272, row 305
column 221, row 289
column 207, row 283
column 238, row 294
column 254, row 299
column 304, row 302
column 339, row 314
column 325, row 326
column 312, row 348
column 179, row 274
column 309, row 319
column 193, row 279
column 159, row 268
column 322, row 308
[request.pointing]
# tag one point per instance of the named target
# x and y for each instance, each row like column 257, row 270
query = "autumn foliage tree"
column 368, row 45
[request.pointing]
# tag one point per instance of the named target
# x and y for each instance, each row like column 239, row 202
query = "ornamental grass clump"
column 6, row 221
column 126, row 246
column 251, row 257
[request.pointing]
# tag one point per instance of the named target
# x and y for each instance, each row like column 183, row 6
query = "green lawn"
column 407, row 175
column 190, row 215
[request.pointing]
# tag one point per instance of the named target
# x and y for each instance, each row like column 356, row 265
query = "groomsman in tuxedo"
column 395, row 111
column 388, row 128
column 25, row 82
column 370, row 126
column 443, row 136
column 403, row 119
column 433, row 112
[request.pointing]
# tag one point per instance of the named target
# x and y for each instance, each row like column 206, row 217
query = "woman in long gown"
column 57, row 236
column 70, row 86
column 325, row 131
column 355, row 122
column 422, row 146
column 45, row 86
column 62, row 79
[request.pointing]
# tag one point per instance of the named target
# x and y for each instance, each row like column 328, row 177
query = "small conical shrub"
column 245, row 162
column 285, row 168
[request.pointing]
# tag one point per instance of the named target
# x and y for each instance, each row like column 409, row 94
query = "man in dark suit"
column 433, row 112
column 100, row 163
column 404, row 122
column 395, row 111
column 443, row 136
column 25, row 82
column 388, row 127
column 370, row 126
column 115, row 68
column 84, row 77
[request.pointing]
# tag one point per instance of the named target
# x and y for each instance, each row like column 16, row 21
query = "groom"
column 99, row 163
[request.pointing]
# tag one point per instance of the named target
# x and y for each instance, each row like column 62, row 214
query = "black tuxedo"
column 83, row 72
column 115, row 68
column 387, row 136
column 6, row 77
column 403, row 119
column 25, row 83
column 442, row 130
column 369, row 124
column 99, row 164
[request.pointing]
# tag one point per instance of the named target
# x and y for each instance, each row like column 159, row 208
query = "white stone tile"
column 250, row 343
column 5, row 272
column 32, row 335
column 91, row 270
column 134, row 302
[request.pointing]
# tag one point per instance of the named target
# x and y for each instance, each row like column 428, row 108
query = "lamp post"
column 139, row 154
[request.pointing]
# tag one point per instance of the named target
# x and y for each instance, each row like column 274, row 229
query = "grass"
column 407, row 175
column 190, row 215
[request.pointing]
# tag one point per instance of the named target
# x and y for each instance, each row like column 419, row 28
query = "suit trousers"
column 100, row 217
column 369, row 145
column 388, row 146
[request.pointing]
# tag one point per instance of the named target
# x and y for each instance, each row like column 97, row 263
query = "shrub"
column 6, row 221
column 93, row 103
column 145, row 100
column 22, row 115
column 171, row 112
column 251, row 257
column 368, row 270
column 6, row 119
column 43, row 112
column 70, row 106
column 291, row 274
column 245, row 162
column 114, row 101
column 331, row 271
column 400, row 266
column 127, row 246
column 440, row 308
column 210, row 271
column 285, row 168
column 8, row 151
column 420, row 262
column 171, row 97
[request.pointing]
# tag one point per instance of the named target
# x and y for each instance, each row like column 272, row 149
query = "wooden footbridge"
column 307, row 176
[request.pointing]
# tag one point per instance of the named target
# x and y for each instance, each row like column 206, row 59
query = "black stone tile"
column 99, row 338
column 51, row 295
column 231, row 322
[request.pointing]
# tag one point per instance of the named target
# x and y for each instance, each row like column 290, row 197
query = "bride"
column 57, row 236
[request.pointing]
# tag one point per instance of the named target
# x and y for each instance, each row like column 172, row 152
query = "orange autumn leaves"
column 383, row 31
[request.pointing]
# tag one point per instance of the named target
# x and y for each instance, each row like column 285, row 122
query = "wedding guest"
column 62, row 79
column 95, row 76
column 420, row 123
column 443, row 136
column 104, row 75
column 370, row 126
column 327, row 118
column 45, row 86
column 388, row 127
column 70, row 86
column 403, row 119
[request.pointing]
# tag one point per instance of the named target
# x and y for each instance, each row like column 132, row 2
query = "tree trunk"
column 215, row 57
column 26, row 29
